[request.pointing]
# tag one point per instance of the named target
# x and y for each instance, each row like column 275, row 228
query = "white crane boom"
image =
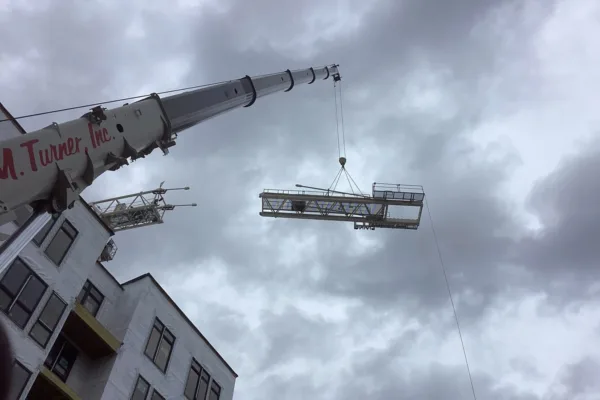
column 49, row 168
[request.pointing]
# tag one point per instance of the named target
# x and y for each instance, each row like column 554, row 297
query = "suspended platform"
column 390, row 206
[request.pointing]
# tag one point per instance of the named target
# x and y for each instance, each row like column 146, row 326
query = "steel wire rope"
column 342, row 117
column 443, row 267
column 109, row 102
column 337, row 123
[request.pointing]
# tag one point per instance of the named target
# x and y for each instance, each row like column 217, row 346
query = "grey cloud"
column 565, row 251
column 227, row 160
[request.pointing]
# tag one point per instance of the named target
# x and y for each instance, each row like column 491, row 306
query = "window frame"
column 86, row 291
column 160, row 340
column 71, row 237
column 15, row 300
column 51, row 223
column 64, row 342
column 17, row 363
column 156, row 393
column 200, row 369
column 137, row 381
column 218, row 393
column 38, row 320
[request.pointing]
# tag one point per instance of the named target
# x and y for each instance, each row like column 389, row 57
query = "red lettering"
column 91, row 129
column 29, row 145
column 8, row 165
column 63, row 151
column 41, row 157
column 71, row 146
column 106, row 136
column 48, row 157
column 98, row 136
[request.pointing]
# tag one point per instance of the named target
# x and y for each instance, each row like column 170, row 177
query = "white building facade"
column 77, row 333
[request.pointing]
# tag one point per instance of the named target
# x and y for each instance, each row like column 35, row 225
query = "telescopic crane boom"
column 49, row 168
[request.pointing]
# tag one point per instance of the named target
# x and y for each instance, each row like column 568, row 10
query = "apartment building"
column 78, row 333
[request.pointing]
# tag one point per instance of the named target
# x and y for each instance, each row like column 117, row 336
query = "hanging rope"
column 337, row 122
column 341, row 142
column 342, row 116
column 443, row 266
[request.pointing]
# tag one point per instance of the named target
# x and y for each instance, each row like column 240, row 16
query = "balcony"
column 109, row 251
column 48, row 385
column 88, row 334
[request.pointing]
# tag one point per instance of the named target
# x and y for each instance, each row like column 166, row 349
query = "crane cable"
column 110, row 101
column 456, row 320
column 341, row 142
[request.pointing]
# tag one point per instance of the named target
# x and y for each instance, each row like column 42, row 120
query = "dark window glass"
column 41, row 235
column 156, row 396
column 20, row 292
column 48, row 319
column 197, row 382
column 215, row 391
column 20, row 377
column 61, row 242
column 61, row 358
column 142, row 387
column 160, row 345
column 90, row 298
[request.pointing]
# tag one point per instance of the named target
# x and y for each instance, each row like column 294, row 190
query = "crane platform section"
column 390, row 206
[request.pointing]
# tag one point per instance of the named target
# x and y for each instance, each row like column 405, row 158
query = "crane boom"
column 50, row 167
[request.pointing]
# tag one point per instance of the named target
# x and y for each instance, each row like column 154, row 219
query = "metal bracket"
column 291, row 81
column 130, row 152
column 314, row 76
column 55, row 127
column 89, row 174
column 116, row 160
column 328, row 74
column 96, row 115
column 64, row 192
column 254, row 94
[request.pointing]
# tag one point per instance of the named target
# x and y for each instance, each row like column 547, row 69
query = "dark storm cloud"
column 565, row 252
column 580, row 379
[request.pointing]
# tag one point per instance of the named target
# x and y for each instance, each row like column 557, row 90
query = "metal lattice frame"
column 136, row 210
column 365, row 211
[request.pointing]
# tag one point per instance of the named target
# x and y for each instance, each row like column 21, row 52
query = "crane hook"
column 342, row 161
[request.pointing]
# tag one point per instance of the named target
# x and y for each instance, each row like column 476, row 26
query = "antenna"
column 136, row 210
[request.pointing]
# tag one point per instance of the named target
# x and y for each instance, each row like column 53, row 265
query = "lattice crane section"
column 136, row 210
column 390, row 206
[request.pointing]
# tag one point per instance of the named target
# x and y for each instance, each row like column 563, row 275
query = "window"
column 142, row 387
column 215, row 391
column 61, row 242
column 156, row 396
column 20, row 292
column 90, row 298
column 61, row 358
column 20, row 377
column 48, row 319
column 160, row 345
column 38, row 239
column 197, row 382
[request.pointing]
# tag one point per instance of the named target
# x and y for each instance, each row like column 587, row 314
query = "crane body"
column 50, row 167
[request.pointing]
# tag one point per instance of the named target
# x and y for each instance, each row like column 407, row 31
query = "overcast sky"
column 491, row 105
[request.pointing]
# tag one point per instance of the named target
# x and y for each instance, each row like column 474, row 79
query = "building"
column 77, row 333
